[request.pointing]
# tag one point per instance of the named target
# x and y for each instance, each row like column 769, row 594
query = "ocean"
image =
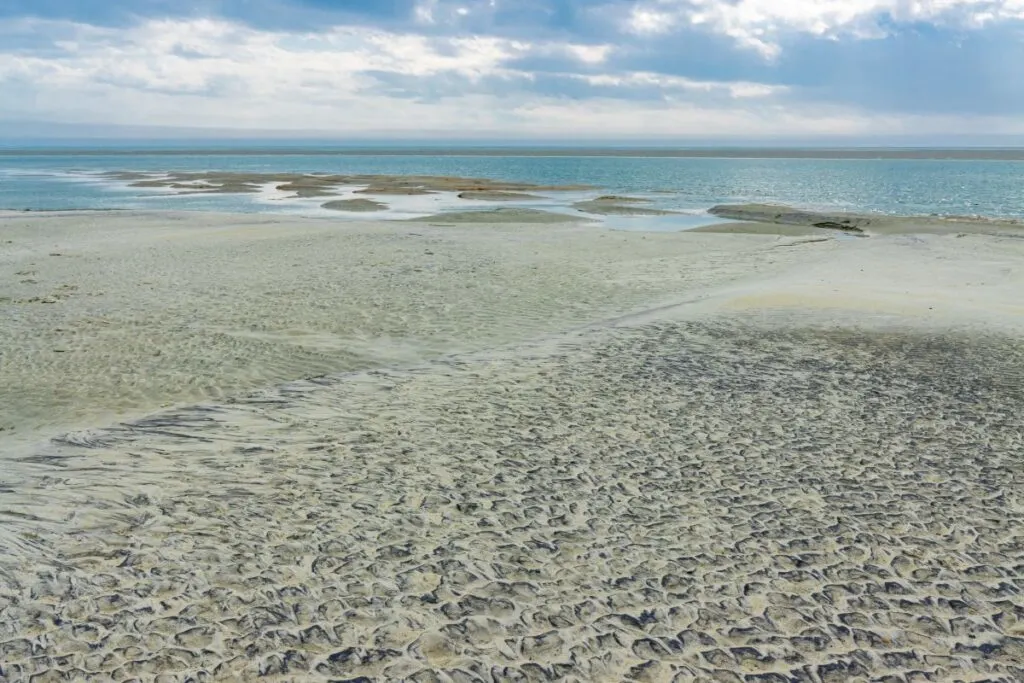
column 689, row 185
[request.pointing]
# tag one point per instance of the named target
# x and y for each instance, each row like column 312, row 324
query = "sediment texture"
column 110, row 315
column 721, row 501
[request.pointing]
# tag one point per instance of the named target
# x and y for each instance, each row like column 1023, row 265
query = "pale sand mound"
column 931, row 281
column 355, row 205
column 522, row 216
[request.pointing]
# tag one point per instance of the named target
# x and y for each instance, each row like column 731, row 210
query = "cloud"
column 759, row 24
column 558, row 67
column 200, row 71
column 667, row 84
column 185, row 56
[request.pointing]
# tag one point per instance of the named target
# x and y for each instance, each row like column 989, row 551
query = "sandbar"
column 869, row 223
column 620, row 199
column 496, row 195
column 752, row 228
column 360, row 205
column 619, row 206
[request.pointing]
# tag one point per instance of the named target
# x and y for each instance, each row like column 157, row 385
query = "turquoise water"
column 899, row 186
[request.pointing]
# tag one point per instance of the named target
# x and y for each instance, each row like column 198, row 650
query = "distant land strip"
column 964, row 154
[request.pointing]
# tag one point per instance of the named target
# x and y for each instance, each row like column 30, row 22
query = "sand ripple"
column 677, row 502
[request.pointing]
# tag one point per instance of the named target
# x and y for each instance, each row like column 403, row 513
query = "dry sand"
column 764, row 459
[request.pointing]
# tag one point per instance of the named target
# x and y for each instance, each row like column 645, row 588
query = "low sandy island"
column 265, row 448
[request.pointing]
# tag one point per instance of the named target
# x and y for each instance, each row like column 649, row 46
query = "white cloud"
column 758, row 24
column 197, row 56
column 209, row 72
column 650, row 20
column 589, row 54
column 440, row 12
column 424, row 11
column 735, row 89
column 218, row 74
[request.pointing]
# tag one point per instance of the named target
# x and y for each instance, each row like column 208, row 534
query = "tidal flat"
column 247, row 447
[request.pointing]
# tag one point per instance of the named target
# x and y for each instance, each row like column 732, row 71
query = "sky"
column 550, row 70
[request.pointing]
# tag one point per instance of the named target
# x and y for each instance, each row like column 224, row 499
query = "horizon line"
column 313, row 148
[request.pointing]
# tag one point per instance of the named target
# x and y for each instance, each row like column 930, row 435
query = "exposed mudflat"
column 306, row 184
column 503, row 215
column 361, row 205
column 619, row 206
column 496, row 195
column 863, row 224
column 752, row 228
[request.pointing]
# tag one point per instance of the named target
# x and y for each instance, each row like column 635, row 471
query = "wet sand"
column 858, row 224
column 610, row 205
column 766, row 228
column 357, row 205
column 309, row 184
column 747, row 458
column 497, row 195
column 515, row 216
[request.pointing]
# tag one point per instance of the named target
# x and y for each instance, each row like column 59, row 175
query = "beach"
column 241, row 447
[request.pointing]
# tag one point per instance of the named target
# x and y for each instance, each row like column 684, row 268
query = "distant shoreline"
column 895, row 153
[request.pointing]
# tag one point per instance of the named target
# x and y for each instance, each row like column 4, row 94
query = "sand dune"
column 763, row 459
